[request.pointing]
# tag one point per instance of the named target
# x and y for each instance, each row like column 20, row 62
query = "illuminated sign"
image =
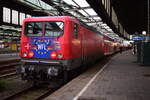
column 138, row 38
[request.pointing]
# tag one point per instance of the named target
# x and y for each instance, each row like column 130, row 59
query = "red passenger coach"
column 109, row 47
column 53, row 46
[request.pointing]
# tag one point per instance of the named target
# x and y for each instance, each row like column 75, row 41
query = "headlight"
column 25, row 54
column 53, row 55
column 60, row 56
column 31, row 54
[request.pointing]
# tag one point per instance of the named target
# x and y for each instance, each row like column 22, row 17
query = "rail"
column 32, row 93
column 8, row 67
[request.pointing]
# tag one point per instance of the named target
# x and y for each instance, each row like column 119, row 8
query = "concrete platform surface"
column 122, row 79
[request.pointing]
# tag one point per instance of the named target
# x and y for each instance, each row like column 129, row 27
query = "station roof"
column 132, row 14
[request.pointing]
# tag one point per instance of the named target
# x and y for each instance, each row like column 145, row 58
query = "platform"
column 121, row 79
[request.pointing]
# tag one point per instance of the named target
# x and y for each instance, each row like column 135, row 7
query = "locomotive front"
column 41, row 48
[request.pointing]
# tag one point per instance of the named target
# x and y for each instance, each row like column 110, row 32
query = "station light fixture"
column 106, row 27
column 70, row 2
column 91, row 24
column 83, row 12
column 97, row 18
column 91, row 12
column 110, row 30
column 103, row 24
column 81, row 3
column 143, row 32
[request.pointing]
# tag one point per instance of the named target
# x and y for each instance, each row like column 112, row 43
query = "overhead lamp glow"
column 97, row 18
column 144, row 32
column 104, row 24
column 28, row 15
column 106, row 27
column 91, row 12
column 91, row 24
column 109, row 30
column 81, row 3
column 74, row 14
column 83, row 12
column 70, row 2
column 100, row 23
column 84, row 20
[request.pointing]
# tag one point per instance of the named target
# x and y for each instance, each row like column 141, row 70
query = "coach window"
column 75, row 30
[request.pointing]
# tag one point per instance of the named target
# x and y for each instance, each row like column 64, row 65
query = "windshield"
column 52, row 29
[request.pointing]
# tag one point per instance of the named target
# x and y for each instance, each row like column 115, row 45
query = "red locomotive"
column 53, row 46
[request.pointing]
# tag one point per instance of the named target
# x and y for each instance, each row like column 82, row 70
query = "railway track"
column 33, row 93
column 38, row 93
column 8, row 75
column 8, row 68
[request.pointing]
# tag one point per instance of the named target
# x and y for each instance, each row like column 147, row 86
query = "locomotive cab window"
column 76, row 30
column 51, row 29
column 54, row 29
column 33, row 29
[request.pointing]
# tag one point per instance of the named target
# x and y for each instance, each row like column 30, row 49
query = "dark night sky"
column 132, row 14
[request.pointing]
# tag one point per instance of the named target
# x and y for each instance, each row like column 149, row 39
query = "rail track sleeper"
column 16, row 94
column 8, row 61
column 8, row 75
column 7, row 65
column 37, row 94
column 7, row 71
